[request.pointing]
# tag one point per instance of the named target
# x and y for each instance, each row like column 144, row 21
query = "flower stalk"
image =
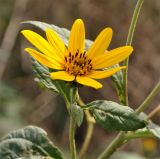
column 129, row 42
column 72, row 138
column 90, row 127
column 72, row 128
column 87, row 139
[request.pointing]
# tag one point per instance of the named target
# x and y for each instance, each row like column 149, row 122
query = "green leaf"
column 42, row 76
column 28, row 141
column 113, row 116
column 14, row 148
column 77, row 113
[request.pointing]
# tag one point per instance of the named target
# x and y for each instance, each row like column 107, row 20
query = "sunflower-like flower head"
column 74, row 63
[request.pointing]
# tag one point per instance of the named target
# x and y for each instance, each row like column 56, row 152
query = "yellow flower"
column 73, row 63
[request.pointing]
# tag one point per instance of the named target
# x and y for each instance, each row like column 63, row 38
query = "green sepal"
column 117, row 79
column 77, row 113
column 113, row 116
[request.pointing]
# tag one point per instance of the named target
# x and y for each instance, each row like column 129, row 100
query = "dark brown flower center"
column 77, row 64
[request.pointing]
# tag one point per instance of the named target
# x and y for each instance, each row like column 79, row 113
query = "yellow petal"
column 43, row 59
column 101, row 43
column 77, row 37
column 88, row 82
column 55, row 41
column 104, row 74
column 112, row 57
column 41, row 44
column 62, row 75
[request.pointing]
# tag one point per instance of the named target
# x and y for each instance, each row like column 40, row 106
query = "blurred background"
column 22, row 102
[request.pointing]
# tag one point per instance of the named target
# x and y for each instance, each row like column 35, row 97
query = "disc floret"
column 78, row 64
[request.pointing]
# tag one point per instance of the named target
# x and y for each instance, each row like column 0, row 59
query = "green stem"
column 132, row 135
column 148, row 100
column 87, row 140
column 63, row 94
column 117, row 142
column 89, row 133
column 71, row 138
column 120, row 138
column 73, row 98
column 129, row 42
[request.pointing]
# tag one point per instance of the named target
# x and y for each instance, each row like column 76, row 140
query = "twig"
column 154, row 112
column 148, row 100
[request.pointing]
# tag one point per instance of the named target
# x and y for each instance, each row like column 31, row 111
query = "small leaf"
column 28, row 141
column 113, row 116
column 77, row 113
column 154, row 129
column 117, row 79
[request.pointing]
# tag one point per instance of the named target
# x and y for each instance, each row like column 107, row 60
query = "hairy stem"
column 73, row 98
column 87, row 140
column 129, row 42
column 89, row 133
column 117, row 142
column 132, row 135
column 71, row 138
